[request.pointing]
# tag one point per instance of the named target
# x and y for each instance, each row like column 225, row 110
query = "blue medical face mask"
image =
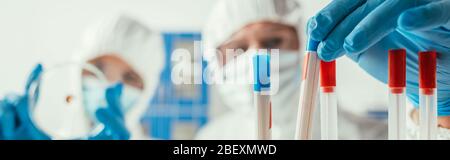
column 94, row 96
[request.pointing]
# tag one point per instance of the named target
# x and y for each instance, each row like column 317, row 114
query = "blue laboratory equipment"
column 177, row 111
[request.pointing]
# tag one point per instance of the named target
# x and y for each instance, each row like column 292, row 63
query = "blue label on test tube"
column 261, row 72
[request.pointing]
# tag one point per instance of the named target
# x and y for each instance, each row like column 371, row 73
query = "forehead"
column 267, row 26
column 110, row 60
column 263, row 29
column 267, row 23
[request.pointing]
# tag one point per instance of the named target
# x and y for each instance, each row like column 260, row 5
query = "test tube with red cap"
column 328, row 101
column 261, row 89
column 308, row 92
column 397, row 83
column 427, row 95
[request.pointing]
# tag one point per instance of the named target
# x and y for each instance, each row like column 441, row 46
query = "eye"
column 232, row 50
column 272, row 43
column 100, row 66
column 131, row 78
column 236, row 48
column 244, row 48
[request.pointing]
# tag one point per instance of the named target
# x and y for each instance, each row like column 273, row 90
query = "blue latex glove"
column 112, row 117
column 365, row 30
column 15, row 121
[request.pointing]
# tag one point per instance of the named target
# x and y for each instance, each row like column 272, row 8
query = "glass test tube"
column 328, row 101
column 427, row 95
column 397, row 83
column 261, row 88
column 308, row 92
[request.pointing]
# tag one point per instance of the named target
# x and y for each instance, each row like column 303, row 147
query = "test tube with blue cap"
column 308, row 92
column 261, row 88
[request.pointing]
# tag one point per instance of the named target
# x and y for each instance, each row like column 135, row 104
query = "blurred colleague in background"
column 121, row 48
column 248, row 26
column 118, row 49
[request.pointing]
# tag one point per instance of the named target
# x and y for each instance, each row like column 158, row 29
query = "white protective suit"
column 228, row 17
column 137, row 45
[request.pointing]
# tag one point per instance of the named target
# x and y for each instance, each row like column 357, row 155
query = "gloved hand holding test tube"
column 328, row 101
column 261, row 88
column 308, row 92
column 397, row 83
column 427, row 101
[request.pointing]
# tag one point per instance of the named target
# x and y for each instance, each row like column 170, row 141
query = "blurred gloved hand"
column 112, row 117
column 15, row 121
column 365, row 30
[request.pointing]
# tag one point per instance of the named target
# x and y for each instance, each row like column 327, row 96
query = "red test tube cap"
column 397, row 70
column 427, row 69
column 328, row 75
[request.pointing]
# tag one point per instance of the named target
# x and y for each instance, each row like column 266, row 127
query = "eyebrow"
column 232, row 41
column 132, row 73
column 278, row 28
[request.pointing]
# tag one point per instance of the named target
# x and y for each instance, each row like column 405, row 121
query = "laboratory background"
column 55, row 38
